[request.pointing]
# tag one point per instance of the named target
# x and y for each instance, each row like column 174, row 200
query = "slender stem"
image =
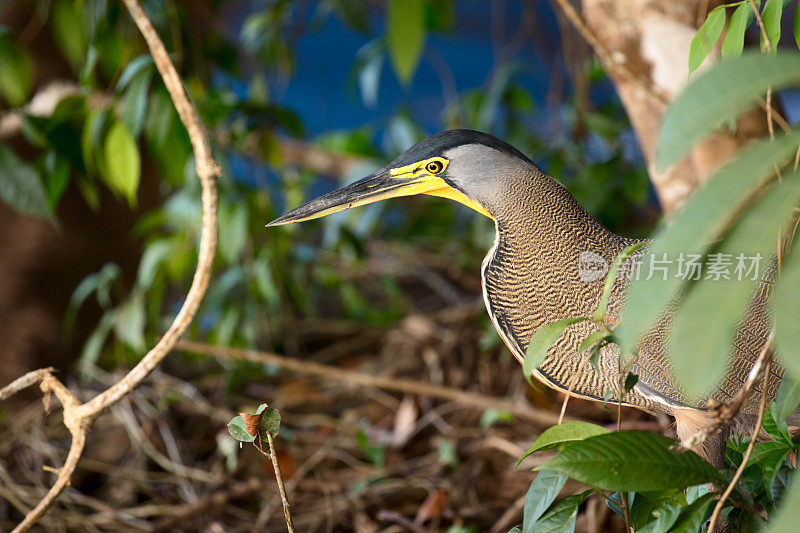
column 761, row 407
column 767, row 42
column 287, row 514
column 624, row 499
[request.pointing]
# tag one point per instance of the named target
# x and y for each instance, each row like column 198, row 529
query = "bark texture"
column 651, row 38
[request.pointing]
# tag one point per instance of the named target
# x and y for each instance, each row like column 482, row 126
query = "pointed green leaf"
column 237, row 430
column 561, row 517
column 706, row 321
column 123, row 161
column 631, row 461
column 542, row 492
column 592, row 339
column 556, row 436
column 705, row 38
column 741, row 19
column 694, row 515
column 405, row 35
column 701, row 220
column 722, row 93
column 773, row 10
column 20, row 185
column 16, row 73
column 611, row 277
column 796, row 27
column 787, row 399
column 541, row 341
column 270, row 423
column 785, row 519
column 129, row 322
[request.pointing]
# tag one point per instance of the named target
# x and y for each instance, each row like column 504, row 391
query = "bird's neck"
column 537, row 256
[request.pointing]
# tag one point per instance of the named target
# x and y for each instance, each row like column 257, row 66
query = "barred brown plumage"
column 531, row 274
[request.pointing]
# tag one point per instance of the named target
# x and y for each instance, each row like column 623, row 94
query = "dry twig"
column 78, row 417
column 756, row 428
column 480, row 401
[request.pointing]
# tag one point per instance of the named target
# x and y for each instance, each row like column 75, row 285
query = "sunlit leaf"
column 129, row 322
column 720, row 94
column 631, row 460
column 741, row 19
column 405, row 23
column 705, row 38
column 707, row 212
column 558, row 435
column 611, row 278
column 541, row 341
column 123, row 161
column 68, row 31
column 706, row 321
column 773, row 10
column 16, row 73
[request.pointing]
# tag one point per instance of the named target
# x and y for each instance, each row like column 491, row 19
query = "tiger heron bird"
column 530, row 276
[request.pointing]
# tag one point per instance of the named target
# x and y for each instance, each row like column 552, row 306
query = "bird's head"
column 467, row 166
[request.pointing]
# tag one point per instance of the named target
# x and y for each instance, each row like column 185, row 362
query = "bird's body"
column 531, row 274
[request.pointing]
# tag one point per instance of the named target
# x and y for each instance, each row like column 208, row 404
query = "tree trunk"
column 651, row 39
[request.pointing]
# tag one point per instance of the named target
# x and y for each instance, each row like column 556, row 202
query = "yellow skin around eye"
column 426, row 182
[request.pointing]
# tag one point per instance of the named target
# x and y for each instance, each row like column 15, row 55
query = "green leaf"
column 16, row 73
column 796, row 27
column 592, row 339
column 566, row 432
column 611, row 277
column 233, row 225
column 134, row 103
column 270, row 422
column 405, row 35
column 630, row 381
column 68, row 32
column 129, row 322
column 705, row 215
column 124, row 163
column 94, row 344
column 694, row 515
column 788, row 397
column 741, row 19
column 773, row 10
column 21, row 187
column 705, row 38
column 787, row 308
column 706, row 321
column 631, row 461
column 138, row 66
column 542, row 492
column 237, row 430
column 785, row 520
column 720, row 94
column 94, row 127
column 560, row 518
column 154, row 254
column 541, row 341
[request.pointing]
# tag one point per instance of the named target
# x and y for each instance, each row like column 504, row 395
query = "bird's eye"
column 434, row 167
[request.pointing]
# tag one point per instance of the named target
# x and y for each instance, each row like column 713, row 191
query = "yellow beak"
column 379, row 186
